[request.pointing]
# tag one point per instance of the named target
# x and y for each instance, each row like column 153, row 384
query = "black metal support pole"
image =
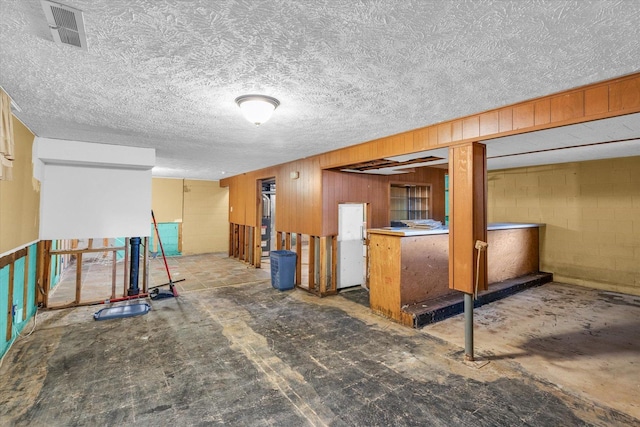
column 135, row 263
column 468, row 327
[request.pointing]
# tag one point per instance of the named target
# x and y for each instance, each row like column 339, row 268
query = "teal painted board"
column 18, row 288
column 55, row 265
column 119, row 241
column 169, row 236
column 4, row 306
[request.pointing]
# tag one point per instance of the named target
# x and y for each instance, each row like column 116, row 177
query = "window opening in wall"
column 409, row 202
column 446, row 199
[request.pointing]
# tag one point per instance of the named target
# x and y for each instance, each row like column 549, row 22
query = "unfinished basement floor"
column 231, row 350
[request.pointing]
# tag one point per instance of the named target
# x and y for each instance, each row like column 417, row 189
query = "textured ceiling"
column 164, row 73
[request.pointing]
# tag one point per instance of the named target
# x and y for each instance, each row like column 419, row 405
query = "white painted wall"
column 93, row 190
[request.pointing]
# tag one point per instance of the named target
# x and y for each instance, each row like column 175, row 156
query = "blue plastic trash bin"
column 283, row 269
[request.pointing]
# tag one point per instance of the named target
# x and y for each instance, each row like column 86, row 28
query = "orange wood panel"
column 567, row 107
column 624, row 95
column 444, row 133
column 467, row 214
column 433, row 136
column 523, row 116
column 596, row 100
column 384, row 280
column 505, row 119
column 471, row 127
column 489, row 123
column 456, row 130
column 542, row 112
column 421, row 139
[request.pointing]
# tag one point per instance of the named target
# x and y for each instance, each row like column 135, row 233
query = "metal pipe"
column 135, row 263
column 468, row 327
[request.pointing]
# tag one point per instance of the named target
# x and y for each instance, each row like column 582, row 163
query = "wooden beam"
column 334, row 264
column 114, row 273
column 467, row 215
column 323, row 265
column 78, row 278
column 9, row 331
column 279, row 240
column 11, row 258
column 231, row 226
column 312, row 263
column 25, row 287
column 257, row 246
column 287, row 241
column 44, row 281
column 86, row 251
column 298, row 259
column 126, row 267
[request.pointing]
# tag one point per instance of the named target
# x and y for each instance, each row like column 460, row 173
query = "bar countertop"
column 407, row 231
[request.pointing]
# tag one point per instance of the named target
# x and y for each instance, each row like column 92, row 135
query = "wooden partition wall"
column 308, row 204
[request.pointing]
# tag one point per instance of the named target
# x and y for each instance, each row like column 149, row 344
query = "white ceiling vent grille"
column 66, row 24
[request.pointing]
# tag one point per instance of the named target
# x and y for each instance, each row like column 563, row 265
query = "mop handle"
column 166, row 266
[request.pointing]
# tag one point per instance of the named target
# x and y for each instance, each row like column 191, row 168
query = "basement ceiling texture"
column 165, row 73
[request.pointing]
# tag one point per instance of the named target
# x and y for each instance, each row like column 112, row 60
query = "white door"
column 351, row 250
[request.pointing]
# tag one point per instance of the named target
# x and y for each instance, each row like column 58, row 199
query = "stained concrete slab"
column 246, row 354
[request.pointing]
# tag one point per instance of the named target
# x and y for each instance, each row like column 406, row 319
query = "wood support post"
column 279, row 240
column 467, row 216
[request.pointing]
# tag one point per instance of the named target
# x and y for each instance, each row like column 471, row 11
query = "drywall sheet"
column 93, row 190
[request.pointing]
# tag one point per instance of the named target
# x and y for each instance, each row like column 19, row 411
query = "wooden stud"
column 334, row 264
column 323, row 265
column 298, row 259
column 257, row 246
column 279, row 240
column 241, row 242
column 287, row 241
column 126, row 267
column 9, row 334
column 230, row 251
column 44, row 272
column 25, row 287
column 78, row 278
column 312, row 263
column 114, row 273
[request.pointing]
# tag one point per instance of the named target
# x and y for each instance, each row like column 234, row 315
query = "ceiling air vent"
column 66, row 24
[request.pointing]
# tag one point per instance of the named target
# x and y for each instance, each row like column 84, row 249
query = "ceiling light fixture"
column 257, row 108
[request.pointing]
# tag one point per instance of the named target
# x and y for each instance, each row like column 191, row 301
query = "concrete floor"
column 233, row 351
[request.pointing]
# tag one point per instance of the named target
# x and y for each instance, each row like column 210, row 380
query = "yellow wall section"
column 206, row 221
column 592, row 216
column 166, row 199
column 202, row 208
column 19, row 198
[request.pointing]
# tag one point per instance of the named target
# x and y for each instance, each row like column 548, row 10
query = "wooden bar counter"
column 408, row 266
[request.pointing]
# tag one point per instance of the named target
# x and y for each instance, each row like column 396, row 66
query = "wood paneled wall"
column 341, row 187
column 302, row 206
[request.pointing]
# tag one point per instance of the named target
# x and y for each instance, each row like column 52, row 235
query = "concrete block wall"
column 206, row 219
column 201, row 207
column 592, row 216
